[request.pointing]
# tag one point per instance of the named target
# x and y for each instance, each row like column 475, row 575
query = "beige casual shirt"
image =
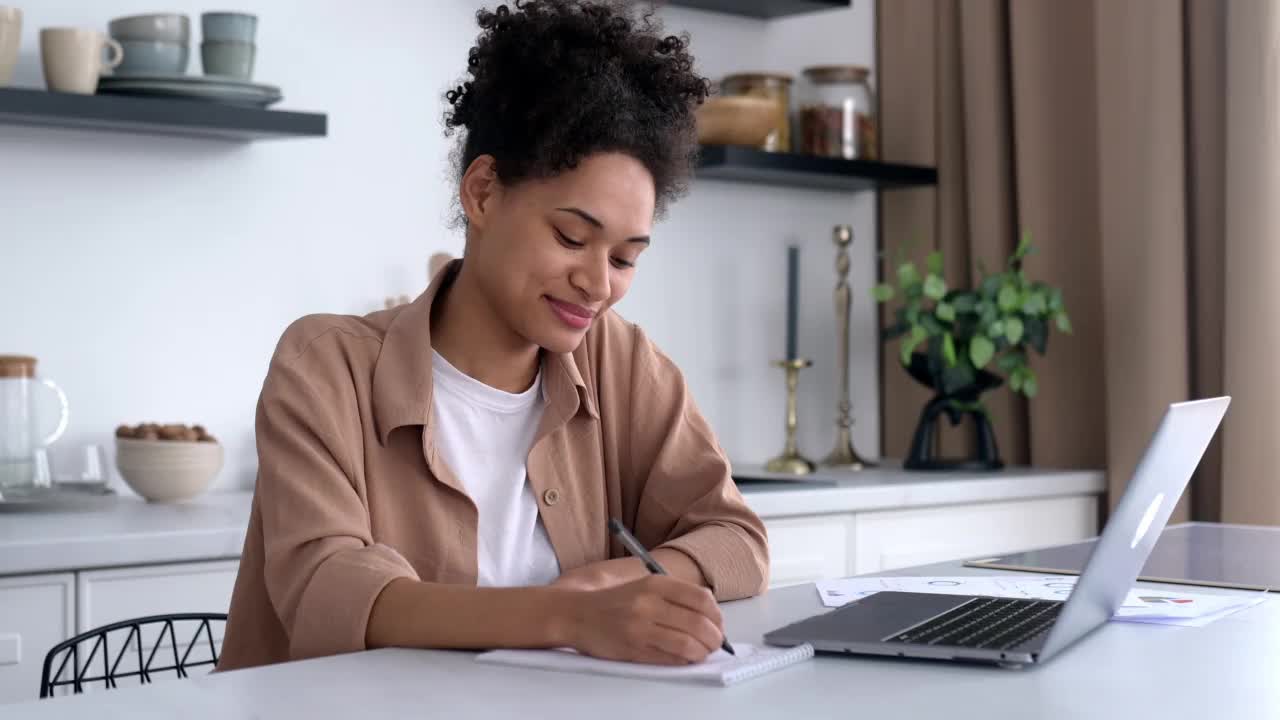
column 352, row 492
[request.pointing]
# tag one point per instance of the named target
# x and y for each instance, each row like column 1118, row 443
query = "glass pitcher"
column 22, row 442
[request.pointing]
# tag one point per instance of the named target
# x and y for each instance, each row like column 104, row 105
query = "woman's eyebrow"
column 644, row 239
column 584, row 215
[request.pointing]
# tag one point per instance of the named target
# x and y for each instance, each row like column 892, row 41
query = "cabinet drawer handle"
column 10, row 648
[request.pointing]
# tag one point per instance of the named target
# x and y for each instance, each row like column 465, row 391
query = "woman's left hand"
column 619, row 571
column 601, row 575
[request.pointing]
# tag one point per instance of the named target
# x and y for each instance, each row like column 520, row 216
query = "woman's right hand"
column 657, row 619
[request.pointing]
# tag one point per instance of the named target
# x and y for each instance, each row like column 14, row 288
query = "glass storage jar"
column 771, row 86
column 837, row 113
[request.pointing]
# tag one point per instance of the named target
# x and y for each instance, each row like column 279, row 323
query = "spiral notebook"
column 720, row 668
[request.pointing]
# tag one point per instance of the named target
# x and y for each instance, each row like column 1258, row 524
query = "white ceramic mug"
column 10, row 37
column 72, row 58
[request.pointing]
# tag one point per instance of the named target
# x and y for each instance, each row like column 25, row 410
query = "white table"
column 1230, row 669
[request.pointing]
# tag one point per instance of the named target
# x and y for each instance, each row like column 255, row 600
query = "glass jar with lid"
column 837, row 113
column 773, row 87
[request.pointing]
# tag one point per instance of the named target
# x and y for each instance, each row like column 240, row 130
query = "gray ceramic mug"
column 228, row 59
column 228, row 27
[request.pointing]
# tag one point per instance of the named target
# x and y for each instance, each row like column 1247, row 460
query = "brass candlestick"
column 843, row 455
column 791, row 461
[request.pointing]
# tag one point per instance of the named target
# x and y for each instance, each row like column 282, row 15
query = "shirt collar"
column 402, row 390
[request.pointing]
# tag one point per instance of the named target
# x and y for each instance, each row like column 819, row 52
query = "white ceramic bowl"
column 167, row 470
column 147, row 57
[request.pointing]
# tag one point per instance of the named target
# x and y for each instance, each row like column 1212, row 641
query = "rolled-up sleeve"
column 323, row 570
column 688, row 501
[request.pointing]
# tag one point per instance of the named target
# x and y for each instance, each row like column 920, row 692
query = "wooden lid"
column 823, row 74
column 756, row 77
column 17, row 366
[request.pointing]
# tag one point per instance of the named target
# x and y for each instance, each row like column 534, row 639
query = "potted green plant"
column 963, row 342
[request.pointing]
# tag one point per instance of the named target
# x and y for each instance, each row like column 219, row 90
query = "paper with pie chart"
column 1141, row 605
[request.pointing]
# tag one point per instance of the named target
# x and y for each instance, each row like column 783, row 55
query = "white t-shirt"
column 485, row 435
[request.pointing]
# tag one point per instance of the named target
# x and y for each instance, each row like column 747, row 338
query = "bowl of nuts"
column 167, row 463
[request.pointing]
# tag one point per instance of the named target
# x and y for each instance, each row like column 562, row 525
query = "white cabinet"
column 892, row 539
column 806, row 549
column 106, row 596
column 40, row 611
column 838, row 523
column 36, row 613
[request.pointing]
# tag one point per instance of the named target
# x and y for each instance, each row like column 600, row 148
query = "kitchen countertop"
column 128, row 531
column 124, row 531
column 890, row 488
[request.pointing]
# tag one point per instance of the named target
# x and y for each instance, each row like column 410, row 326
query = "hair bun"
column 553, row 81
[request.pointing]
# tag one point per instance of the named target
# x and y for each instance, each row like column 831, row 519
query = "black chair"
column 159, row 632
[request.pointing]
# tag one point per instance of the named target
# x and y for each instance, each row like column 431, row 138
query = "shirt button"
column 551, row 497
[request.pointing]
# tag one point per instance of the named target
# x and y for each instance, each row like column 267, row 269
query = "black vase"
column 921, row 456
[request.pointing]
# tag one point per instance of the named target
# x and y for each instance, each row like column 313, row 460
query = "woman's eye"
column 567, row 241
column 623, row 264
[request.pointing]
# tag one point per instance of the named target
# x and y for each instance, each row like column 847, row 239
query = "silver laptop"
column 1015, row 632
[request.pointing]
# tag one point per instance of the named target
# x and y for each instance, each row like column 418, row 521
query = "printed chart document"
column 1142, row 604
column 720, row 668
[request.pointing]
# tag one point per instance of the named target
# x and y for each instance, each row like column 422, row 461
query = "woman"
column 440, row 475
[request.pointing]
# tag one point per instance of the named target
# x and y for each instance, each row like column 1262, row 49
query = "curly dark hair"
column 554, row 81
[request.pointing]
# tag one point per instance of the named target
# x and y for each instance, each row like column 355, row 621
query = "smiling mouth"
column 575, row 316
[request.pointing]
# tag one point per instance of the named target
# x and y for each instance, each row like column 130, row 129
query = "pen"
column 629, row 540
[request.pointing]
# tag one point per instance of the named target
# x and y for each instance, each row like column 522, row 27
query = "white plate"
column 197, row 87
column 57, row 498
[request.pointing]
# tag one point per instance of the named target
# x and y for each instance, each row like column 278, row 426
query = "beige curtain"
column 1250, row 487
column 1140, row 148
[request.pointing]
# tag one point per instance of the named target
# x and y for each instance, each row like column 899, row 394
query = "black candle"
column 793, row 281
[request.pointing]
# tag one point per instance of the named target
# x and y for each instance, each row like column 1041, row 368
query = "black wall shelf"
column 155, row 116
column 744, row 164
column 763, row 9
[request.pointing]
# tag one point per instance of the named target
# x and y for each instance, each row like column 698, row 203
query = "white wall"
column 152, row 276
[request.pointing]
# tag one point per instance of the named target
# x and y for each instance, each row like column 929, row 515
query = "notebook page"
column 720, row 668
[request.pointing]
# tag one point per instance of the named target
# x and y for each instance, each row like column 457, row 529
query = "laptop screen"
column 1138, row 519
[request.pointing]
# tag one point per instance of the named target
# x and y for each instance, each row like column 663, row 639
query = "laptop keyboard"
column 989, row 623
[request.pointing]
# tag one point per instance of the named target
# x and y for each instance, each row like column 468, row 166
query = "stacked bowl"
column 155, row 44
column 227, row 48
